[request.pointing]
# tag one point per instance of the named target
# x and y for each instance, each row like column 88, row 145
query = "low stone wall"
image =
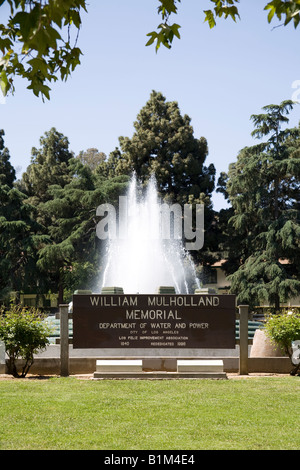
column 274, row 365
column 87, row 365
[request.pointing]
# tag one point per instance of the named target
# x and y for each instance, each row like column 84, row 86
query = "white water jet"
column 143, row 261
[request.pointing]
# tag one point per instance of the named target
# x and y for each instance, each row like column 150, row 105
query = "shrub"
column 284, row 329
column 24, row 334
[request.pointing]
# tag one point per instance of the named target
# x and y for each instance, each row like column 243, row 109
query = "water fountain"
column 146, row 320
column 142, row 261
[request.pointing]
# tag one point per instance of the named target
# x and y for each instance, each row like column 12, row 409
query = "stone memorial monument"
column 128, row 325
column 156, row 317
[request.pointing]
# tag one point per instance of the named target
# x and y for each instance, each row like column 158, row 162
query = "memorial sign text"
column 154, row 321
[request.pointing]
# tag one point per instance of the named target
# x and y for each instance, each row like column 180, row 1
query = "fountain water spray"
column 142, row 260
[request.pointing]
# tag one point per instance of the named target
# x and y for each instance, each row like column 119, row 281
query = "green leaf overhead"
column 36, row 43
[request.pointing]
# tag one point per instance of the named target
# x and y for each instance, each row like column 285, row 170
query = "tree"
column 284, row 330
column 67, row 229
column 263, row 188
column 24, row 334
column 19, row 231
column 36, row 43
column 7, row 171
column 65, row 194
column 289, row 11
column 19, row 240
column 164, row 144
column 71, row 255
column 49, row 166
column 92, row 157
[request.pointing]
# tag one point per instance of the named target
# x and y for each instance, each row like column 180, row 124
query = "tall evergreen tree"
column 49, row 166
column 7, row 171
column 19, row 239
column 71, row 256
column 164, row 144
column 263, row 188
column 65, row 194
column 92, row 157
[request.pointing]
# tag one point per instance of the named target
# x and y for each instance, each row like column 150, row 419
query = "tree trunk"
column 277, row 303
column 276, row 196
column 11, row 366
column 60, row 293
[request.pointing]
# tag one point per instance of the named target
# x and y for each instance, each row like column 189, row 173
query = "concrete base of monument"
column 114, row 365
column 200, row 365
column 136, row 369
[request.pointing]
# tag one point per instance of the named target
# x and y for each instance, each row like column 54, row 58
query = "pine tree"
column 164, row 144
column 72, row 254
column 49, row 166
column 263, row 188
column 92, row 158
column 7, row 171
column 65, row 194
column 19, row 239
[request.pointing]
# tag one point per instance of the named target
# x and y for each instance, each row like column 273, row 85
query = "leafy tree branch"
column 36, row 44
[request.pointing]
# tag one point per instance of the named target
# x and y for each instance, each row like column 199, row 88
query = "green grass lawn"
column 69, row 413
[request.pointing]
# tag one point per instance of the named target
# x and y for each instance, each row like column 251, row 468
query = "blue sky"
column 218, row 77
